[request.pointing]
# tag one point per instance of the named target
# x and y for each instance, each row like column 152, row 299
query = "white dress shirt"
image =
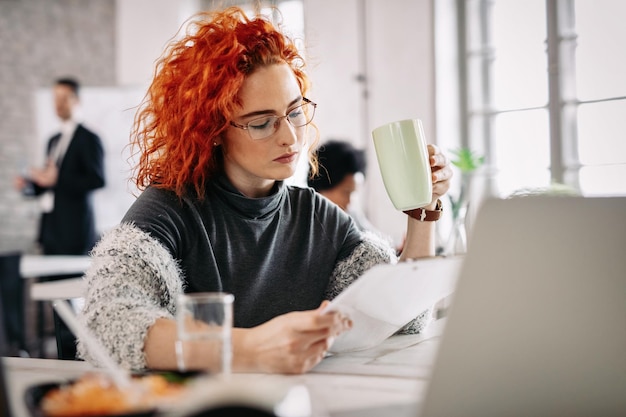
column 56, row 155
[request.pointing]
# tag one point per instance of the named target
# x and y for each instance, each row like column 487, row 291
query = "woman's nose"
column 286, row 132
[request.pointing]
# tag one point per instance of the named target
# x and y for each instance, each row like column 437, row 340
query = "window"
column 545, row 93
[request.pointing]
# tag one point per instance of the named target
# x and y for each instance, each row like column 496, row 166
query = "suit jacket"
column 70, row 229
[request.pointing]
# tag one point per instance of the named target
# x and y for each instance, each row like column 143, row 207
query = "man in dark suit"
column 74, row 169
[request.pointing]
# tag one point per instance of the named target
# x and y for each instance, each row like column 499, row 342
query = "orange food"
column 96, row 395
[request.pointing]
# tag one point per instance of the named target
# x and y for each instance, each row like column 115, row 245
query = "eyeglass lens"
column 266, row 126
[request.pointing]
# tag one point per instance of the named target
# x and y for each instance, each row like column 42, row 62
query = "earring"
column 214, row 143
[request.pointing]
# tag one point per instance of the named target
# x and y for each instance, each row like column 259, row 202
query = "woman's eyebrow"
column 269, row 111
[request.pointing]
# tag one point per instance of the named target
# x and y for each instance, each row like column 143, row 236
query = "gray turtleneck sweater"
column 281, row 253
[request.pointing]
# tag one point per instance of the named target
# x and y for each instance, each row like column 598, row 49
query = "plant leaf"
column 466, row 159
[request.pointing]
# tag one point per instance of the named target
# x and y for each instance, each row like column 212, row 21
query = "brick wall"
column 41, row 40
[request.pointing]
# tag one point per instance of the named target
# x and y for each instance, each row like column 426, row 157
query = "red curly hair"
column 194, row 94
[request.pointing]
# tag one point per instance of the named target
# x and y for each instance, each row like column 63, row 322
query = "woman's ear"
column 219, row 139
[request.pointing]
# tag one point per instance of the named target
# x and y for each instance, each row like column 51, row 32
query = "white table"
column 64, row 289
column 383, row 381
column 36, row 266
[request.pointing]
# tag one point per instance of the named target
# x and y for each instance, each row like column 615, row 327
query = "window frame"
column 477, row 117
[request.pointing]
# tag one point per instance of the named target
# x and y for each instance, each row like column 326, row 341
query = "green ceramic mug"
column 404, row 163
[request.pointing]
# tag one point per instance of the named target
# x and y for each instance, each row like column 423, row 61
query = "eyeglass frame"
column 246, row 126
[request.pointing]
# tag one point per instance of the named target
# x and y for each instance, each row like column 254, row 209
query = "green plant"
column 467, row 161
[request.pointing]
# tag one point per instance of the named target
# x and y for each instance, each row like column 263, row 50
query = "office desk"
column 383, row 381
column 54, row 290
column 37, row 266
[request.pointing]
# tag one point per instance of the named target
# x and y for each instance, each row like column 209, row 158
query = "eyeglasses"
column 266, row 126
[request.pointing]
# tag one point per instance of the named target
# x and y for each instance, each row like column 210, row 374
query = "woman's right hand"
column 291, row 344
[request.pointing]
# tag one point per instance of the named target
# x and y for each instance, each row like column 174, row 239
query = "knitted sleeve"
column 373, row 250
column 132, row 281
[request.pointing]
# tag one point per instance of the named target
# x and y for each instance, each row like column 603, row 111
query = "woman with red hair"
column 223, row 124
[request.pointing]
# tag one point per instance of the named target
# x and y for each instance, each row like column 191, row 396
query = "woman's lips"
column 286, row 158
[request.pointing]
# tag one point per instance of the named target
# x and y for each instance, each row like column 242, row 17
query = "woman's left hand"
column 420, row 238
column 441, row 173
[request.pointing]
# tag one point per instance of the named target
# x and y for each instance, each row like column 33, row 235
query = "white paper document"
column 388, row 296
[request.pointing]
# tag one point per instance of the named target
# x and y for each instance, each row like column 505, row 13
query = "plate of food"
column 95, row 395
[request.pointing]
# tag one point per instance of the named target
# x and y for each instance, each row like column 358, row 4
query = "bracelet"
column 424, row 215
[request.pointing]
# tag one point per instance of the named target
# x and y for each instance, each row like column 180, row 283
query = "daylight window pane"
column 522, row 150
column 603, row 181
column 600, row 58
column 601, row 133
column 520, row 67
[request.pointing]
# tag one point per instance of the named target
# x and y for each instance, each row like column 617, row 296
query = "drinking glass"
column 204, row 324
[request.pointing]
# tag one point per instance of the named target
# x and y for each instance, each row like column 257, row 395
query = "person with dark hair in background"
column 74, row 169
column 341, row 169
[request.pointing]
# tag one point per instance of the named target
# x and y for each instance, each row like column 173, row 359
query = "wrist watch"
column 424, row 215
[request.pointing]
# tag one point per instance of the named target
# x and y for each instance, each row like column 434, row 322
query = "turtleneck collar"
column 253, row 208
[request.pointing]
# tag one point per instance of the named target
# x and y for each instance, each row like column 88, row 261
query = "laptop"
column 537, row 324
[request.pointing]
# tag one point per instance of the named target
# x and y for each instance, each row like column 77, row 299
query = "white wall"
column 144, row 27
column 334, row 62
